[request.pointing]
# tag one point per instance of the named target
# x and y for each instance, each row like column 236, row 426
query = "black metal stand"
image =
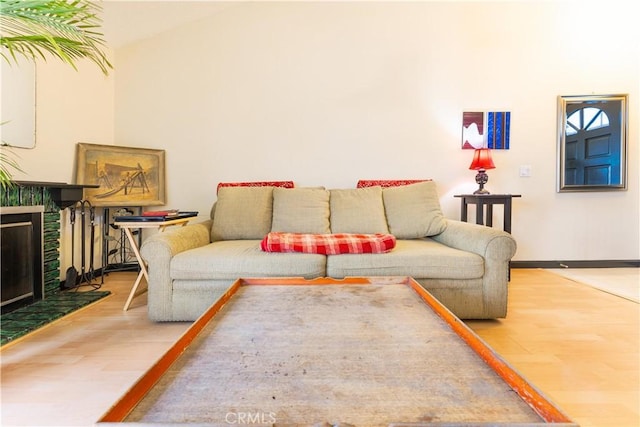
column 117, row 254
column 87, row 274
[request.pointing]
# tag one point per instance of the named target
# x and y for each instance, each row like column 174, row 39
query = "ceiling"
column 127, row 21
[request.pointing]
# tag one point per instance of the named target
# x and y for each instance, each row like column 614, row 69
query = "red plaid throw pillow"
column 328, row 244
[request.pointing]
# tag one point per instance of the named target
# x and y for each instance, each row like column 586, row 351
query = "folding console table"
column 130, row 222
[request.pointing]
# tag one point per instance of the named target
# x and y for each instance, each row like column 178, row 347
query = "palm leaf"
column 7, row 165
column 66, row 29
column 35, row 29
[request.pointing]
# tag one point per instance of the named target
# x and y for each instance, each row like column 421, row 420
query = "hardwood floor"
column 578, row 345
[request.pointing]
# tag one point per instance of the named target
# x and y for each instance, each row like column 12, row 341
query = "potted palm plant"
column 68, row 30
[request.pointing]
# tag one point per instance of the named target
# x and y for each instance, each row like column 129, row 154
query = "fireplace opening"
column 22, row 259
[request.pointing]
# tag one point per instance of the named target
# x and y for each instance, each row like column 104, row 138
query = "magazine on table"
column 157, row 216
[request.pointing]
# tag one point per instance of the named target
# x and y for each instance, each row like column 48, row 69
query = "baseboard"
column 576, row 264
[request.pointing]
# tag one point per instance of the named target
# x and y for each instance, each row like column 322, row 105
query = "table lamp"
column 481, row 162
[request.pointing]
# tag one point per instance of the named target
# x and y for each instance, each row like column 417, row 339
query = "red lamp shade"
column 482, row 160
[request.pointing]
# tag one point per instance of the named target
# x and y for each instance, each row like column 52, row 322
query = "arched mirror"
column 592, row 143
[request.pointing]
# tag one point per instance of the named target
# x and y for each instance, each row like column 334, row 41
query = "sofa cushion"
column 357, row 210
column 228, row 260
column 242, row 213
column 301, row 210
column 418, row 258
column 413, row 210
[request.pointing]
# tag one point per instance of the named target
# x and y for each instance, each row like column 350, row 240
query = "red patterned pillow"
column 283, row 184
column 328, row 244
column 388, row 182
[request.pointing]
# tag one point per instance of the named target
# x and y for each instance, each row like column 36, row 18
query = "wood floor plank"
column 578, row 345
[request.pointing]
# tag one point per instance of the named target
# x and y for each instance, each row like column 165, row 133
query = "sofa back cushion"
column 242, row 213
column 301, row 210
column 358, row 210
column 284, row 184
column 413, row 210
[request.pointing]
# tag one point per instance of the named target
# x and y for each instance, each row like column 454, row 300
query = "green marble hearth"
column 56, row 303
column 20, row 322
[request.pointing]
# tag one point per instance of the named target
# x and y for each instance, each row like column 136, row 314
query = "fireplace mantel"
column 63, row 194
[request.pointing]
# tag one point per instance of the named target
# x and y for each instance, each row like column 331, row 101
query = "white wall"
column 328, row 93
column 71, row 106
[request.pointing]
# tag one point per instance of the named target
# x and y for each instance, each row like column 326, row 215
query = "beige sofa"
column 464, row 265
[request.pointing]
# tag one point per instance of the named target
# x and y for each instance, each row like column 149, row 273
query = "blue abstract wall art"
column 486, row 129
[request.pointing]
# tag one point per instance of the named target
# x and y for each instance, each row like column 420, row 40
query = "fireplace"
column 22, row 263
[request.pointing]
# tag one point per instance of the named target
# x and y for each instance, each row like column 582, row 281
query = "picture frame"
column 473, row 130
column 127, row 176
column 592, row 143
column 486, row 129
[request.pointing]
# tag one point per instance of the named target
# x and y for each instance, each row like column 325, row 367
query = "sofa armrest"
column 487, row 242
column 157, row 251
column 496, row 247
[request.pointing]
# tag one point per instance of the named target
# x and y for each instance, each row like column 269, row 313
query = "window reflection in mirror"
column 592, row 143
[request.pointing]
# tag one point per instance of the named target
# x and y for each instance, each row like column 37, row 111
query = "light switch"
column 525, row 170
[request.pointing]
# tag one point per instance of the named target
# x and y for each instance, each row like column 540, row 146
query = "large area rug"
column 328, row 355
column 621, row 282
column 27, row 319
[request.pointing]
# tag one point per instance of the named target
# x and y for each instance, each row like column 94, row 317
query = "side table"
column 488, row 200
column 130, row 224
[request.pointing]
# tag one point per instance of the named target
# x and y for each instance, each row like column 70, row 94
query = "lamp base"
column 481, row 191
column 481, row 179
